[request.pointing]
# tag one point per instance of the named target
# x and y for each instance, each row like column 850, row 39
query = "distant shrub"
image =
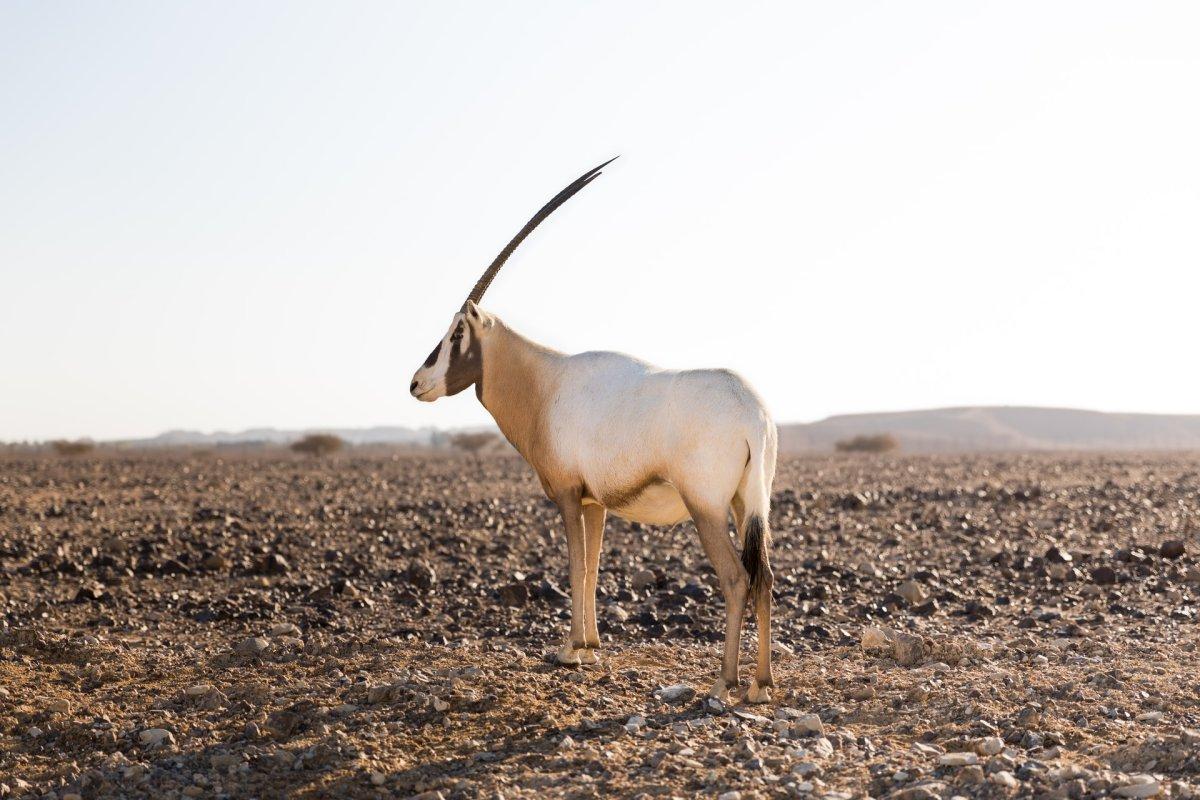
column 474, row 442
column 318, row 444
column 64, row 448
column 876, row 443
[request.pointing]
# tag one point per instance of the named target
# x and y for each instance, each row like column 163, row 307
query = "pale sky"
column 225, row 215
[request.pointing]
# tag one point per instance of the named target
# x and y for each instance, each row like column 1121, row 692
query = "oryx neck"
column 518, row 382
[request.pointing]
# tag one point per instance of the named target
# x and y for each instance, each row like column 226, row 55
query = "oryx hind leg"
column 712, row 522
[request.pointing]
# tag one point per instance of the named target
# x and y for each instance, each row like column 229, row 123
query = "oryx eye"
column 456, row 336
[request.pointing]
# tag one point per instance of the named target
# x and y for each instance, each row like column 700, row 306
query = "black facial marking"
column 466, row 366
column 434, row 355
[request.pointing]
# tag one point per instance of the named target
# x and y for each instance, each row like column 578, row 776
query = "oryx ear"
column 478, row 316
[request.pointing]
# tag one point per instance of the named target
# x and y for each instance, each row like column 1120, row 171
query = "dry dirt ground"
column 378, row 626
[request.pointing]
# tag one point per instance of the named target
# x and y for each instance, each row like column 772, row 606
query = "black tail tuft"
column 755, row 557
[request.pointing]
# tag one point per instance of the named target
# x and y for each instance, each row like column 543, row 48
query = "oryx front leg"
column 573, row 649
column 593, row 539
column 714, row 536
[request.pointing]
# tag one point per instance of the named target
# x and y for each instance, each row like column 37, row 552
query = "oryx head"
column 457, row 361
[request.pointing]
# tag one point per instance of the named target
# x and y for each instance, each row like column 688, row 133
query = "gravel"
column 371, row 625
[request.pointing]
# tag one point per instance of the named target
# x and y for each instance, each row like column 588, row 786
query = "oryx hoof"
column 587, row 656
column 758, row 694
column 568, row 655
column 720, row 691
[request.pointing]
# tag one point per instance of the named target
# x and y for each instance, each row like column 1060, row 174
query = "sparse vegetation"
column 63, row 447
column 318, row 444
column 873, row 443
column 474, row 442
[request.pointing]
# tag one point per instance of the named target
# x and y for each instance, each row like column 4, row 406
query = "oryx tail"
column 756, row 495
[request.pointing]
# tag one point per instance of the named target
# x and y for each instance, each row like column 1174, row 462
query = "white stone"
column 958, row 759
column 285, row 629
column 1139, row 786
column 876, row 639
column 911, row 591
column 1004, row 778
column 679, row 691
column 809, row 723
column 991, row 745
column 253, row 646
column 643, row 579
column 822, row 748
column 152, row 737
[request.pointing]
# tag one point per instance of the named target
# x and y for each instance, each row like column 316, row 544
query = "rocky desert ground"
column 194, row 625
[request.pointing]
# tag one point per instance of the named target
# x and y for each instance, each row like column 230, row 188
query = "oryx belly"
column 657, row 504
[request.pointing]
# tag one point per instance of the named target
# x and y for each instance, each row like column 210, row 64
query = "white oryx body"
column 614, row 420
column 608, row 432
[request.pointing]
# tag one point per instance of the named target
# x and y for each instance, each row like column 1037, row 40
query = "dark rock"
column 421, row 575
column 1104, row 575
column 928, row 608
column 514, row 594
column 1057, row 555
column 549, row 592
column 1172, row 548
column 273, row 564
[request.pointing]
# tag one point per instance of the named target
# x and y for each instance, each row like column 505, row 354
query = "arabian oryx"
column 607, row 432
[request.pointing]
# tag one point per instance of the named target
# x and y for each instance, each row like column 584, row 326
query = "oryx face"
column 455, row 364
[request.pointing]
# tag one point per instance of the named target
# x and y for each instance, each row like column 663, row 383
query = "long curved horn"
column 485, row 280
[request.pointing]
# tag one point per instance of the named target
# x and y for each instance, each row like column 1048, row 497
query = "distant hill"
column 378, row 435
column 939, row 430
column 1001, row 428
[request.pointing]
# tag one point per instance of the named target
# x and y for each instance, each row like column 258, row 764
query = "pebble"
column 1150, row 716
column 734, row 795
column 875, row 639
column 199, row 690
column 1003, row 778
column 991, row 745
column 909, row 650
column 643, row 579
column 679, row 691
column 514, row 594
column 1172, row 548
column 285, row 629
column 911, row 591
column 809, row 723
column 972, row 773
column 957, row 759
column 253, row 646
column 153, row 737
column 635, row 723
column 377, row 777
column 822, row 748
column 1139, row 786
